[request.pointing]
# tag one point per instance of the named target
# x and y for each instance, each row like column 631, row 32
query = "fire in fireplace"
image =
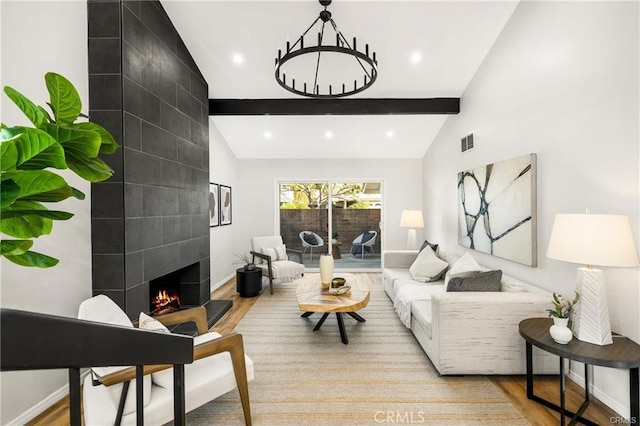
column 165, row 302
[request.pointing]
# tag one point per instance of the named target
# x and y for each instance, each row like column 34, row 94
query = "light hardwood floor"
column 514, row 387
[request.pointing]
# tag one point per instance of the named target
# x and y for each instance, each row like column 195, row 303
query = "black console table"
column 249, row 282
column 623, row 353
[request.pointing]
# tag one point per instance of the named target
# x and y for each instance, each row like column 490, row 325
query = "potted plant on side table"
column 561, row 312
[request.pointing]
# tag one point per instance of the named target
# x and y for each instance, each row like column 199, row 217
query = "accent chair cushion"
column 102, row 309
column 210, row 367
column 427, row 266
column 276, row 253
column 484, row 281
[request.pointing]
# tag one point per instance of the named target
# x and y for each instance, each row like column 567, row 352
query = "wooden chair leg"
column 270, row 284
column 240, row 371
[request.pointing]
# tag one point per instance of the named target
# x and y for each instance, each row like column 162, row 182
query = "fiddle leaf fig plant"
column 27, row 157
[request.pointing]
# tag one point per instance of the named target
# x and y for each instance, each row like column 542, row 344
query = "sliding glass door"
column 341, row 218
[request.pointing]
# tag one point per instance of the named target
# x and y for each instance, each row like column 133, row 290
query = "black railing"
column 34, row 341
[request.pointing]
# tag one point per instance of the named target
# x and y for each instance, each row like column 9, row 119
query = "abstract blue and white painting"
column 497, row 209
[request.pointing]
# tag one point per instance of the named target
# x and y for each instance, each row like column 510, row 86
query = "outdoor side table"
column 249, row 283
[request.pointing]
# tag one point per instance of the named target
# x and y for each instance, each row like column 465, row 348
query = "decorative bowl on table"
column 337, row 282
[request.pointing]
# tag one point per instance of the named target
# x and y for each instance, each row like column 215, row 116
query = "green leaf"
column 9, row 193
column 42, row 185
column 36, row 148
column 31, row 258
column 31, row 110
column 91, row 169
column 8, row 156
column 80, row 142
column 25, row 226
column 76, row 193
column 65, row 101
column 49, row 214
column 14, row 247
column 108, row 143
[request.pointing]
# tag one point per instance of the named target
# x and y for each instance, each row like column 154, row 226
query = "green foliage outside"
column 360, row 205
column 316, row 195
column 27, row 155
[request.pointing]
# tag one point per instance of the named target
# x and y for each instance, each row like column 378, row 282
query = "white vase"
column 326, row 268
column 560, row 332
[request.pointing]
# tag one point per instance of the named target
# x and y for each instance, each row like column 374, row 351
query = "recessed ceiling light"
column 268, row 134
column 416, row 57
column 238, row 58
column 328, row 134
column 390, row 134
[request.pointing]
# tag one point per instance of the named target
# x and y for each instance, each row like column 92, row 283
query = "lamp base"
column 412, row 243
column 591, row 314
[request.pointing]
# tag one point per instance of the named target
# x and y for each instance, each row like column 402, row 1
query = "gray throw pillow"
column 426, row 243
column 484, row 281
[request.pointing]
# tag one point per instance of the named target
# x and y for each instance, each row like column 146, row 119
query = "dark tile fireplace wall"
column 151, row 217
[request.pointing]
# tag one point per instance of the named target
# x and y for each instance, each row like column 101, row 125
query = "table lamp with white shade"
column 592, row 239
column 412, row 219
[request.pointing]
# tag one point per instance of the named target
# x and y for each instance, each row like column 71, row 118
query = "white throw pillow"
column 464, row 267
column 145, row 322
column 427, row 266
column 281, row 252
column 271, row 252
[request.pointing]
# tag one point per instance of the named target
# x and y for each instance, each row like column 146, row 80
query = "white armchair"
column 220, row 366
column 273, row 257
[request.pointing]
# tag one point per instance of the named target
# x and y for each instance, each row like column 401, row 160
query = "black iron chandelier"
column 367, row 64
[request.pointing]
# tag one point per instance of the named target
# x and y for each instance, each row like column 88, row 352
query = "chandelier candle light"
column 364, row 63
column 412, row 219
column 592, row 239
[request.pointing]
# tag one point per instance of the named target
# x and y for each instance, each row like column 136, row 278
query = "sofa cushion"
column 427, row 266
column 421, row 312
column 484, row 281
column 466, row 266
column 408, row 291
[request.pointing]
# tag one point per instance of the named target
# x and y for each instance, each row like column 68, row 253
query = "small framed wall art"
column 225, row 205
column 214, row 204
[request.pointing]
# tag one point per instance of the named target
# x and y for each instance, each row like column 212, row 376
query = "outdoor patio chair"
column 363, row 241
column 310, row 240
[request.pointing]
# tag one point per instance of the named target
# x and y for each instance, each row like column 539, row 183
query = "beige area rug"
column 382, row 376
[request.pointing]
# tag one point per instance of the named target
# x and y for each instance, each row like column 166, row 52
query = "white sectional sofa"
column 467, row 332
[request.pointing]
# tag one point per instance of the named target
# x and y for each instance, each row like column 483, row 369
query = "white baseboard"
column 44, row 405
column 213, row 286
column 602, row 396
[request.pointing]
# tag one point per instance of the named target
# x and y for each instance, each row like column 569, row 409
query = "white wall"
column 254, row 196
column 38, row 37
column 560, row 81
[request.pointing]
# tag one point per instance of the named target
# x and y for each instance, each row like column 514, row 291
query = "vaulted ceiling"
column 425, row 49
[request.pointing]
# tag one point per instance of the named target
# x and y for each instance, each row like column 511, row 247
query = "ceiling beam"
column 359, row 106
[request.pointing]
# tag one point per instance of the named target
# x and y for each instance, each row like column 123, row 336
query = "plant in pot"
column 244, row 258
column 561, row 313
column 27, row 157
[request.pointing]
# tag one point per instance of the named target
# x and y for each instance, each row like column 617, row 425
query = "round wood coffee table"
column 313, row 298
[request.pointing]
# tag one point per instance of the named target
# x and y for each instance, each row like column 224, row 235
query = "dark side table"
column 623, row 353
column 249, row 283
